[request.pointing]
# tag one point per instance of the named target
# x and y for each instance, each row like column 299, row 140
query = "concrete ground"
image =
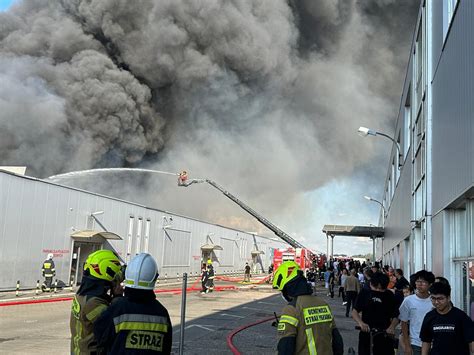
column 44, row 328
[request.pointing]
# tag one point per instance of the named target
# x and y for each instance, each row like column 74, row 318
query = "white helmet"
column 50, row 256
column 141, row 272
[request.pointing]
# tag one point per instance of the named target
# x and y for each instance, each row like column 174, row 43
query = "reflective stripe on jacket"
column 311, row 322
column 135, row 326
column 84, row 312
column 48, row 268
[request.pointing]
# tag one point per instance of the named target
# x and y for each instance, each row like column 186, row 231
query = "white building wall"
column 38, row 217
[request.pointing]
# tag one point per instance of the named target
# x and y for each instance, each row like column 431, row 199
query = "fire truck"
column 305, row 258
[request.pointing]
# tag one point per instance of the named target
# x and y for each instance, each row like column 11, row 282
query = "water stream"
column 74, row 174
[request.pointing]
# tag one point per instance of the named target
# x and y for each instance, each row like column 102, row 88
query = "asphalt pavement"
column 43, row 328
column 261, row 338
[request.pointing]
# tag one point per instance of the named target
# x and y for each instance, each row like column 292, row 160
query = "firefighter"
column 49, row 272
column 210, row 276
column 183, row 177
column 204, row 278
column 137, row 323
column 306, row 325
column 100, row 285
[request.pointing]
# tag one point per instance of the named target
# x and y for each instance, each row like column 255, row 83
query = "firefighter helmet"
column 50, row 256
column 103, row 264
column 141, row 272
column 286, row 272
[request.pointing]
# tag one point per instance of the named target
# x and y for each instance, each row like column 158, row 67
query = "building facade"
column 429, row 202
column 39, row 217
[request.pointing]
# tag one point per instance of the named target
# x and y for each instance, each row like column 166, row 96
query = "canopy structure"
column 211, row 247
column 331, row 230
column 94, row 236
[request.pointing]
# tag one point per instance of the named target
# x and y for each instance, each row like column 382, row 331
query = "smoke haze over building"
column 263, row 96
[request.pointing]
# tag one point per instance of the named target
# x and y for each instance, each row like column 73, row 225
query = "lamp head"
column 368, row 198
column 364, row 132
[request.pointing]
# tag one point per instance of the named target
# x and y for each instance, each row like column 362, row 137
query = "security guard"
column 137, row 323
column 49, row 271
column 101, row 282
column 306, row 325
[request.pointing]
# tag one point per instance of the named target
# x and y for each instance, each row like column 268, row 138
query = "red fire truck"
column 305, row 258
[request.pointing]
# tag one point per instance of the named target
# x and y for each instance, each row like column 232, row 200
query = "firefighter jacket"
column 135, row 324
column 48, row 268
column 210, row 272
column 89, row 302
column 307, row 326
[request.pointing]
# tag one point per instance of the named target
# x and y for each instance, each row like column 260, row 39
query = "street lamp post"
column 383, row 221
column 364, row 132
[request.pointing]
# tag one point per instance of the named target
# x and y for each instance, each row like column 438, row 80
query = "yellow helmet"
column 209, row 261
column 286, row 272
column 103, row 264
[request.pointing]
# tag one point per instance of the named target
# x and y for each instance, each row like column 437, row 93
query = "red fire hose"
column 231, row 335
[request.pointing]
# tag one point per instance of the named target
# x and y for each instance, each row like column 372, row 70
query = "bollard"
column 56, row 286
column 166, row 275
column 17, row 293
column 37, row 287
column 72, row 283
column 177, row 276
column 183, row 314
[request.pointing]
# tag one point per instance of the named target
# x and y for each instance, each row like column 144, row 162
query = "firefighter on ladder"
column 183, row 178
column 49, row 272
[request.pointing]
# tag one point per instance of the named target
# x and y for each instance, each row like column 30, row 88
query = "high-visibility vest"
column 311, row 321
column 48, row 268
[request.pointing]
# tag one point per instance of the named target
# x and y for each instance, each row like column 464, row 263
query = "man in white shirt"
column 413, row 311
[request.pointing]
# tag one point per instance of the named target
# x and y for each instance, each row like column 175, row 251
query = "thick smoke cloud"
column 263, row 96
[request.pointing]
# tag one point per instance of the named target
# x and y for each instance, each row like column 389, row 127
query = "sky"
column 4, row 4
column 265, row 97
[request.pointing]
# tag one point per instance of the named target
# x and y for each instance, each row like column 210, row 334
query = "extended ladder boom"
column 294, row 243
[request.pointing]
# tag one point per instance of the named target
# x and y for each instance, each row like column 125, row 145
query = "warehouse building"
column 429, row 188
column 39, row 217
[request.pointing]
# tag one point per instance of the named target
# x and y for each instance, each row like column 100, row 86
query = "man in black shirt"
column 446, row 329
column 379, row 312
column 247, row 273
column 402, row 282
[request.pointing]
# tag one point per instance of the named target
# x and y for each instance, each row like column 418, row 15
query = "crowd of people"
column 380, row 299
column 115, row 310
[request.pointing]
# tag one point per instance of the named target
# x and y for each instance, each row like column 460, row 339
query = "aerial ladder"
column 281, row 234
